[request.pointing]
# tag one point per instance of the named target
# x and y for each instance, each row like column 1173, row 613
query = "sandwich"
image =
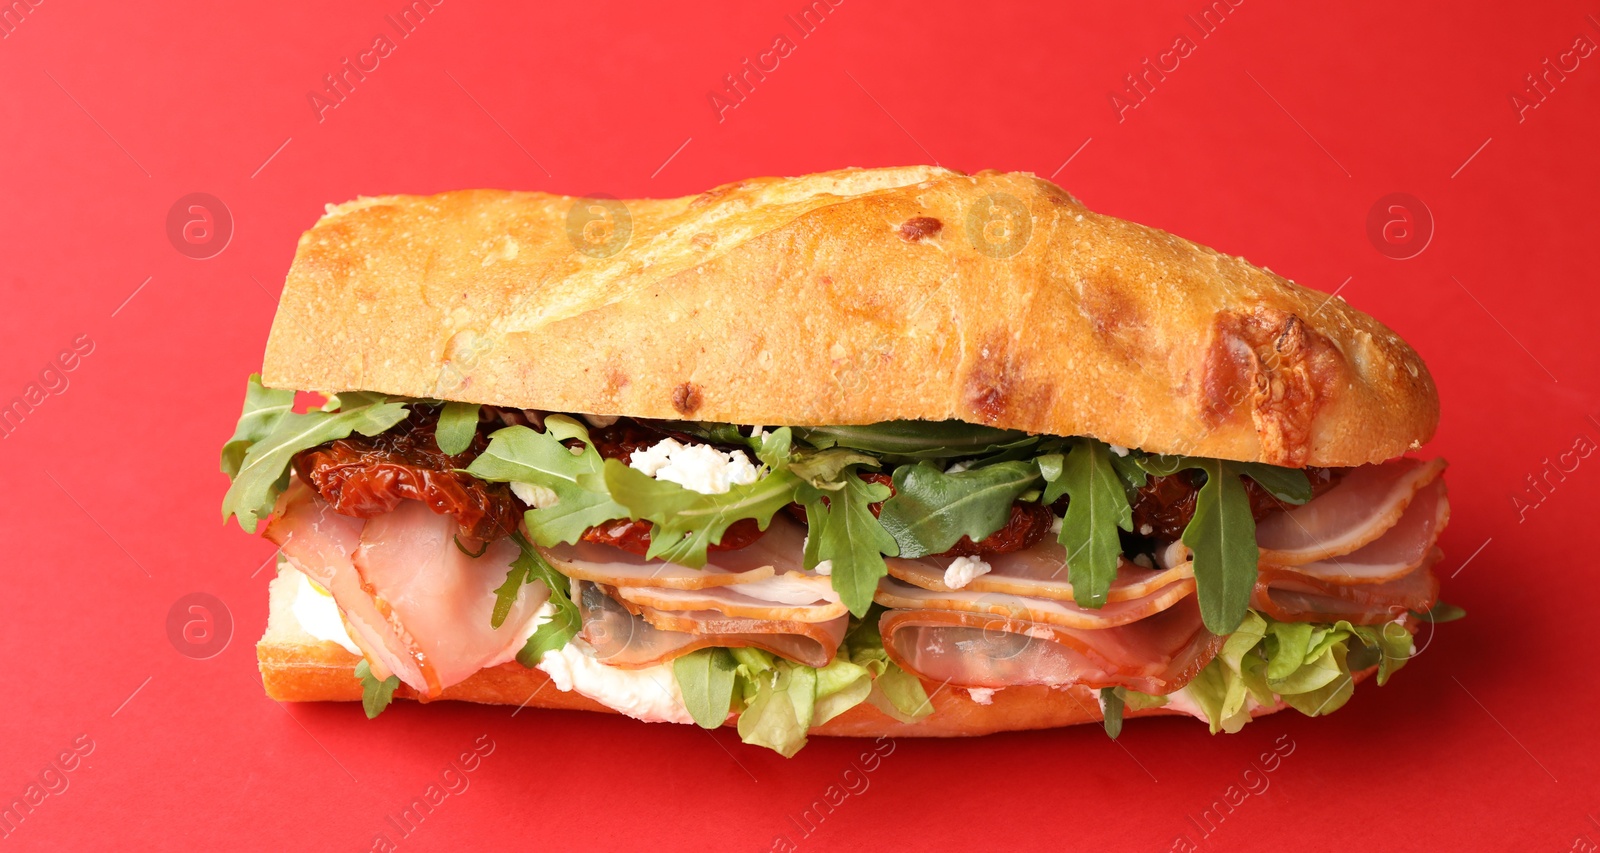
column 872, row 452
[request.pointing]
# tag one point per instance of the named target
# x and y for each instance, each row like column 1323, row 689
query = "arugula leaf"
column 1222, row 535
column 263, row 408
column 1097, row 505
column 458, row 423
column 564, row 623
column 706, row 679
column 375, row 695
column 686, row 521
column 918, row 439
column 519, row 454
column 931, row 510
column 1222, row 532
column 825, row 469
column 1111, row 702
column 842, row 529
column 1289, row 485
column 264, row 471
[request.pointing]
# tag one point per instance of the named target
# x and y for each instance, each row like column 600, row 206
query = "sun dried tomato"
column 364, row 476
column 634, row 536
column 1163, row 508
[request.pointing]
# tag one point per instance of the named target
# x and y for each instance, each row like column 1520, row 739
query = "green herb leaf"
column 1289, row 485
column 687, row 522
column 375, row 695
column 706, row 679
column 780, row 713
column 931, row 510
column 264, row 471
column 895, row 692
column 1097, row 505
column 519, row 454
column 458, row 423
column 1442, row 612
column 918, row 439
column 263, row 408
column 1111, row 701
column 564, row 623
column 1222, row 535
column 842, row 529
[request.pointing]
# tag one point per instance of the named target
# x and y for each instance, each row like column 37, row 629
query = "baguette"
column 847, row 297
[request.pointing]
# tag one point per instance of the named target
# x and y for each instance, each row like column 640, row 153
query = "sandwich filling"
column 777, row 577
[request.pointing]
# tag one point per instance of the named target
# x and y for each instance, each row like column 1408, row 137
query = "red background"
column 1272, row 139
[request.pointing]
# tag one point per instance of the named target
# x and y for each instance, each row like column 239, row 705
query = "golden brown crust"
column 846, row 297
column 296, row 667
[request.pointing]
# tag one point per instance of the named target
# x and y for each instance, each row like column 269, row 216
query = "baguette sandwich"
column 870, row 452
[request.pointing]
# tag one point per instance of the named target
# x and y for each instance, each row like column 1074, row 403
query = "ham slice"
column 1156, row 655
column 1399, row 551
column 793, row 597
column 776, row 552
column 1039, row 571
column 1289, row 596
column 418, row 605
column 1066, row 614
column 628, row 640
column 1367, row 502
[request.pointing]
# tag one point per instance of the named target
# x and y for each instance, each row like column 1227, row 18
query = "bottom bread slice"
column 297, row 667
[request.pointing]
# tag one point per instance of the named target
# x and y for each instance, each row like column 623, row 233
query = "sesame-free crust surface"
column 847, row 297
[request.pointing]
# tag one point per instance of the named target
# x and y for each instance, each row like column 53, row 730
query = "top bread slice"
column 846, row 297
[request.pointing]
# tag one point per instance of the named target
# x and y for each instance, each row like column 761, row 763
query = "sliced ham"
column 777, row 552
column 418, row 605
column 1155, row 655
column 1039, row 571
column 792, row 597
column 1367, row 502
column 1399, row 551
column 628, row 640
column 1289, row 596
column 1066, row 614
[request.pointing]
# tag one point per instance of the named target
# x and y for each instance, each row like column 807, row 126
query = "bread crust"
column 845, row 297
column 297, row 667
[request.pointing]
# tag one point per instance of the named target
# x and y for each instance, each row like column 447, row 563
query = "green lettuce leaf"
column 518, row 454
column 895, row 692
column 458, row 423
column 706, row 678
column 263, row 408
column 375, row 695
column 931, row 510
column 1111, row 703
column 841, row 685
column 842, row 529
column 263, row 471
column 1442, row 612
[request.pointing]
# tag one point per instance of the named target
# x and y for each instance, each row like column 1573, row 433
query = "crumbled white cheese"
column 600, row 421
column 1118, row 449
column 1143, row 561
column 535, row 495
column 981, row 695
column 956, row 468
column 963, row 570
column 698, row 467
column 650, row 693
column 825, row 567
column 1146, row 530
column 1055, row 525
column 318, row 615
